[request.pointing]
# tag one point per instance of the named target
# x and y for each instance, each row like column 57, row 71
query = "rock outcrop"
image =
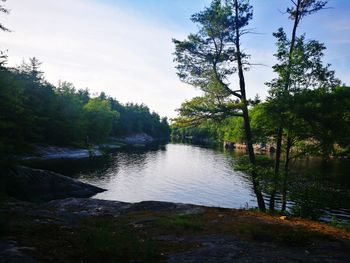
column 36, row 185
column 174, row 232
column 54, row 152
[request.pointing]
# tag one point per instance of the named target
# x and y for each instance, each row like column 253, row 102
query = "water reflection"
column 206, row 176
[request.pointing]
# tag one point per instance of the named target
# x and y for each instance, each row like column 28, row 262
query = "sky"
column 124, row 47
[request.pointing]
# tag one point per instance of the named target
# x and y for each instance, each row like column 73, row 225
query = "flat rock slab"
column 227, row 249
column 86, row 207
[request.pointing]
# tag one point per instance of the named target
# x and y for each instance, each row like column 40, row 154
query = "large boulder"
column 36, row 185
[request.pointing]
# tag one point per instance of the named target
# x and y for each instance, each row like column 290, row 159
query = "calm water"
column 205, row 176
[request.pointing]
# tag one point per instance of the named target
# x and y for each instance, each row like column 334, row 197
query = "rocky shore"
column 46, row 217
column 90, row 230
column 37, row 185
column 56, row 152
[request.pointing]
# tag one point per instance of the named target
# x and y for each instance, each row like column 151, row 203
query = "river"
column 206, row 176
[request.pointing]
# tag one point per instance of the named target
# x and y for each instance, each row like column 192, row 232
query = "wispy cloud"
column 100, row 47
column 127, row 54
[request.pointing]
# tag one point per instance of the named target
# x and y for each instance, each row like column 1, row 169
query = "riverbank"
column 91, row 230
column 50, row 152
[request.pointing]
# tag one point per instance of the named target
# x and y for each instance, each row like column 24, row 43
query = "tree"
column 32, row 69
column 208, row 58
column 99, row 117
column 11, row 113
column 299, row 10
column 3, row 55
column 5, row 11
column 67, row 123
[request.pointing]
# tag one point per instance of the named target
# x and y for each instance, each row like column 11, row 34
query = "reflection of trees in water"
column 105, row 165
column 137, row 157
column 75, row 167
column 311, row 187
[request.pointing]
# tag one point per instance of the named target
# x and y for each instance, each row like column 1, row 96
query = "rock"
column 138, row 138
column 53, row 152
column 36, row 185
column 85, row 207
column 11, row 252
column 229, row 145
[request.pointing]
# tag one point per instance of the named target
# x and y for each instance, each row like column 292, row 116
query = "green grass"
column 180, row 222
column 339, row 224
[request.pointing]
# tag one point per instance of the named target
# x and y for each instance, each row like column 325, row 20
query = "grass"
column 339, row 224
column 180, row 222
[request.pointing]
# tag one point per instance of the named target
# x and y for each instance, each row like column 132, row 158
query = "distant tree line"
column 33, row 111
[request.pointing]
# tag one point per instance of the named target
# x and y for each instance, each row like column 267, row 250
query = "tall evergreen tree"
column 208, row 58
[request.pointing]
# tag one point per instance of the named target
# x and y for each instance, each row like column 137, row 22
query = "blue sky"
column 123, row 47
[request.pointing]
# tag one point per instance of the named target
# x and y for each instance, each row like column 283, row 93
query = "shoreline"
column 153, row 231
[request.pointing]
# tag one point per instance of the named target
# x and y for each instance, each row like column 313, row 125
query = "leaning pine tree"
column 208, row 59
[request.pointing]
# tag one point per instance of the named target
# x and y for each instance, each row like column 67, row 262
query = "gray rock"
column 54, row 152
column 11, row 252
column 138, row 138
column 39, row 185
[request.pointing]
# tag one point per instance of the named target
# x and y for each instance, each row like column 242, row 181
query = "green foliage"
column 206, row 132
column 33, row 111
column 180, row 222
column 303, row 67
column 339, row 224
column 263, row 169
column 208, row 58
column 99, row 116
column 135, row 118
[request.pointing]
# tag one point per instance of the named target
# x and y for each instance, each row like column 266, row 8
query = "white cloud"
column 98, row 46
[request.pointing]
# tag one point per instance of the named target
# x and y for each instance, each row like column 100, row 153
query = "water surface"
column 205, row 176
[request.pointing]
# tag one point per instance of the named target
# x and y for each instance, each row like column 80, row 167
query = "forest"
column 85, row 177
column 306, row 111
column 35, row 112
column 316, row 120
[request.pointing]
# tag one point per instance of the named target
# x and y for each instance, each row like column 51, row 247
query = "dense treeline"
column 33, row 111
column 318, row 121
column 307, row 107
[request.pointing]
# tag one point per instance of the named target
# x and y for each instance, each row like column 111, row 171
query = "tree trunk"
column 285, row 177
column 247, row 129
column 276, row 169
column 286, row 88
